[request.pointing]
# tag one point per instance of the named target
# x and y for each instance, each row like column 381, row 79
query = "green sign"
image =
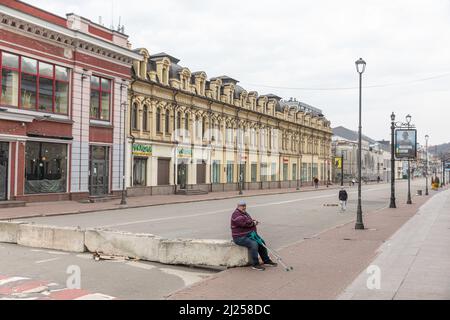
column 142, row 150
column 184, row 153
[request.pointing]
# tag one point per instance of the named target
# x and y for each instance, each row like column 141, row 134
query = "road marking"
column 187, row 277
column 58, row 252
column 95, row 296
column 47, row 260
column 12, row 279
column 140, row 265
column 224, row 210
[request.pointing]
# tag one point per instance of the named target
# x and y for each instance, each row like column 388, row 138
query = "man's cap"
column 242, row 203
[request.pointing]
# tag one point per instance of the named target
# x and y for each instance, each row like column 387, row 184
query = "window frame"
column 100, row 90
column 38, row 76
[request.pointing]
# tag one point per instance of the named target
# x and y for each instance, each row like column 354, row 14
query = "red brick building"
column 64, row 86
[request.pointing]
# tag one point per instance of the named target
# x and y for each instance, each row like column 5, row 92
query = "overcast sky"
column 282, row 46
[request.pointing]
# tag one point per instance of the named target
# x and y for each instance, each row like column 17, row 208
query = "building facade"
column 63, row 83
column 188, row 132
column 374, row 158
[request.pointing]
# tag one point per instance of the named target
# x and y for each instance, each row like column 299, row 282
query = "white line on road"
column 12, row 279
column 47, row 260
column 224, row 210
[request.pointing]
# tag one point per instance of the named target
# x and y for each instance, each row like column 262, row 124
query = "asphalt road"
column 285, row 219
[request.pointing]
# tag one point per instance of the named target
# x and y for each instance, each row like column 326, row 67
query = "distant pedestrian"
column 242, row 225
column 343, row 196
column 353, row 181
column 378, row 179
column 316, row 182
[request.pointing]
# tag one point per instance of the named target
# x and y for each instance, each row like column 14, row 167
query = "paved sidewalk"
column 415, row 262
column 324, row 265
column 39, row 209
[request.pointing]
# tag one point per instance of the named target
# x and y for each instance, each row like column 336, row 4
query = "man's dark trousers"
column 254, row 248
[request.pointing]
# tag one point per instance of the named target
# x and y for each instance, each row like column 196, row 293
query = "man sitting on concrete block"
column 241, row 226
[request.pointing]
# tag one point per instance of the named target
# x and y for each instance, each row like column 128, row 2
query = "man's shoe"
column 258, row 267
column 271, row 263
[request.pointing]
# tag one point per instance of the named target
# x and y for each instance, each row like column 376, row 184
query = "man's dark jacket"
column 343, row 195
column 241, row 224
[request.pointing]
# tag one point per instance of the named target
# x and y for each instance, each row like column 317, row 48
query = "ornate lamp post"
column 393, row 169
column 426, row 164
column 408, row 122
column 360, row 68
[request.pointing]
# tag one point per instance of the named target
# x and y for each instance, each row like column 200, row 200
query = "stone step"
column 191, row 192
column 94, row 199
column 12, row 204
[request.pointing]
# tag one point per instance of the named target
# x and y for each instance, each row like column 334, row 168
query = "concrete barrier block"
column 135, row 245
column 9, row 230
column 51, row 237
column 203, row 252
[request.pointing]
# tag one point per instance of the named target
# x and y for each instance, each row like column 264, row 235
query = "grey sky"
column 305, row 44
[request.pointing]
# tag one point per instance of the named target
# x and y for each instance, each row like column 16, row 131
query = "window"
column 45, row 167
column 186, row 124
column 178, row 120
column 139, row 171
column 10, row 79
column 203, row 127
column 167, row 120
column 230, row 172
column 263, row 173
column 254, row 168
column 285, row 171
column 274, row 172
column 145, row 119
column 134, row 117
column 100, row 98
column 158, row 119
column 216, row 172
column 43, row 86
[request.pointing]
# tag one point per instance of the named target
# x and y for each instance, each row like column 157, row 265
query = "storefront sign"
column 285, row 160
column 184, row 153
column 142, row 150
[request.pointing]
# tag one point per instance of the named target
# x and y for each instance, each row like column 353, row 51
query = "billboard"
column 406, row 143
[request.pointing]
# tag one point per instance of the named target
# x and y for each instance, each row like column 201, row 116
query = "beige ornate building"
column 188, row 132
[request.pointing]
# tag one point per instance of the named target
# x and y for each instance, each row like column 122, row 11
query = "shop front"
column 4, row 169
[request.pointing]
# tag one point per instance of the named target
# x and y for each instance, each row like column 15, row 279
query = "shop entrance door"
column 4, row 154
column 182, row 175
column 99, row 171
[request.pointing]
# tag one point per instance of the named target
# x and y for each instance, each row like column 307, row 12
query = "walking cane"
column 254, row 236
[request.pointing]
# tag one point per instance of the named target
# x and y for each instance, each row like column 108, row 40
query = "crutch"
column 254, row 236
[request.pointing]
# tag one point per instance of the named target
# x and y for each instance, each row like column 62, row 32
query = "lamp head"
column 393, row 116
column 408, row 119
column 360, row 65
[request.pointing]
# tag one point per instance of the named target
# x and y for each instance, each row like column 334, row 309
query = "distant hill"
column 441, row 148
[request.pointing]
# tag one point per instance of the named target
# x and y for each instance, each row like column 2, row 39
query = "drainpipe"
column 83, row 76
column 175, row 164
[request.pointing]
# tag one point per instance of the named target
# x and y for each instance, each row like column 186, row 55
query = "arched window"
column 197, row 126
column 167, row 120
column 134, row 116
column 178, row 120
column 145, row 118
column 203, row 127
column 186, row 123
column 158, row 119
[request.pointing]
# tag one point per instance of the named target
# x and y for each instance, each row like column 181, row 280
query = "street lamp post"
column 408, row 121
column 393, row 169
column 426, row 164
column 342, row 168
column 360, row 68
